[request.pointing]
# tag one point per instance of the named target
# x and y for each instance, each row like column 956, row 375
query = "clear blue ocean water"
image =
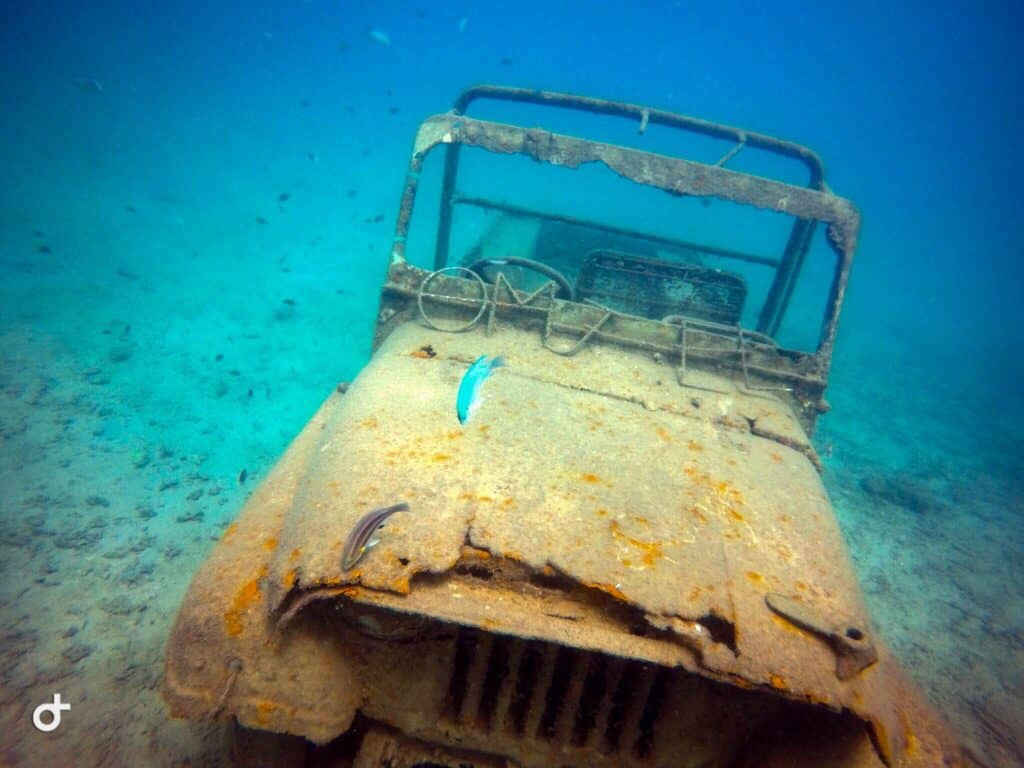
column 195, row 218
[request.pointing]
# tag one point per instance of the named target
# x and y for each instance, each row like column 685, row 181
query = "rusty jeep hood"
column 669, row 501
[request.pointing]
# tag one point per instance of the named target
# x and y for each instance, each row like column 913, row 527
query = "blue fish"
column 469, row 398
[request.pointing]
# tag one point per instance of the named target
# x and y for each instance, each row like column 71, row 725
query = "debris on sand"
column 380, row 37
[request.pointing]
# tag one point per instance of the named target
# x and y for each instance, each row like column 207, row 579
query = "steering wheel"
column 565, row 289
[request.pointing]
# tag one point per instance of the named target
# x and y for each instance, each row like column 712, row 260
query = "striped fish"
column 359, row 540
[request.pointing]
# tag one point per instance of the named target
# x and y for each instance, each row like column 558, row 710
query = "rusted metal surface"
column 224, row 658
column 648, row 116
column 673, row 175
column 656, row 540
column 626, row 558
column 689, row 345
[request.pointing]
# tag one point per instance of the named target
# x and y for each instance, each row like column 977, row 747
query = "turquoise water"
column 195, row 217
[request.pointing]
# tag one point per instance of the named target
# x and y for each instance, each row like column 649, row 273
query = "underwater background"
column 195, row 218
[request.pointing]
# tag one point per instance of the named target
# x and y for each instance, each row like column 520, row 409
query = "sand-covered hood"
column 687, row 520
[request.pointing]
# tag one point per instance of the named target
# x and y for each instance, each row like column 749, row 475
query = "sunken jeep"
column 626, row 557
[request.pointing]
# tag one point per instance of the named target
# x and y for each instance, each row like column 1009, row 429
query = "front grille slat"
column 635, row 705
column 538, row 699
column 502, row 716
column 475, row 679
column 570, row 702
column 598, row 736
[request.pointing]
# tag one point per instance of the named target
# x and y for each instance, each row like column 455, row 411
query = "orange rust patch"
column 693, row 445
column 590, row 477
column 294, row 554
column 264, row 710
column 454, row 435
column 777, row 681
column 609, row 589
column 652, row 550
column 484, row 427
column 508, row 501
column 755, row 577
column 441, row 456
column 368, row 423
column 736, row 515
column 424, row 353
column 602, row 512
column 230, row 531
column 663, row 434
column 775, row 457
column 248, row 594
column 270, row 544
column 289, row 579
column 694, row 594
column 698, row 514
column 783, row 624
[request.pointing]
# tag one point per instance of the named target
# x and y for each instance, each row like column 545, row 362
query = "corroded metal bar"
column 648, row 116
column 635, row 707
column 476, row 676
column 538, row 697
column 573, row 695
column 500, row 716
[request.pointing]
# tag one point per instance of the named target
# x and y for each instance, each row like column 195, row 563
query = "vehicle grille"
column 547, row 693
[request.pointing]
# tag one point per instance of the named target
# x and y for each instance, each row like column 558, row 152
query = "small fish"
column 380, row 37
column 359, row 540
column 468, row 399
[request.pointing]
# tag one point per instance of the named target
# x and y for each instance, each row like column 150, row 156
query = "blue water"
column 214, row 161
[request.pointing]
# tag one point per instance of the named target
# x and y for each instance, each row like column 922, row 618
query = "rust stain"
column 652, row 551
column 248, row 595
column 368, row 423
column 289, row 578
column 783, row 624
column 294, row 554
column 441, row 456
column 694, row 593
column 609, row 589
column 663, row 434
column 590, row 477
column 454, row 435
column 484, row 427
column 755, row 577
column 775, row 457
column 264, row 710
column 693, row 445
column 230, row 531
column 777, row 681
column 426, row 352
column 270, row 544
